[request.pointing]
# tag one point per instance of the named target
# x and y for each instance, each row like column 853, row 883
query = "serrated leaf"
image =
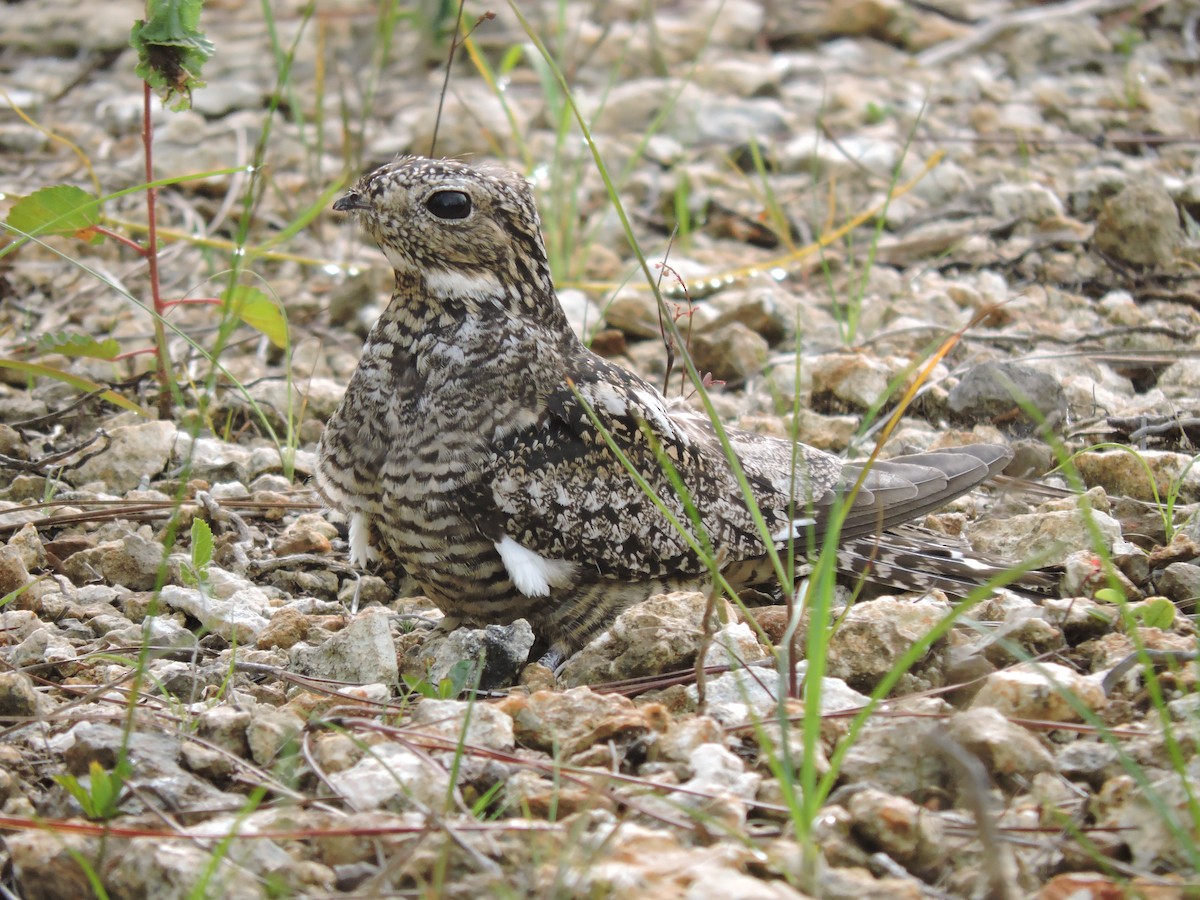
column 69, row 344
column 171, row 49
column 258, row 311
column 62, row 209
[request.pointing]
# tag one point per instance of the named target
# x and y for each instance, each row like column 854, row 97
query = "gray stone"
column 1014, row 395
column 271, row 731
column 133, row 562
column 393, row 777
column 1041, row 691
column 876, row 633
column 1047, row 538
column 1007, row 750
column 744, row 696
column 1180, row 582
column 17, row 696
column 849, row 381
column 895, row 755
column 137, row 453
column 151, row 867
column 238, row 618
column 1124, row 474
column 213, row 460
column 658, row 635
column 42, row 645
column 361, row 653
column 28, row 545
column 1140, row 226
column 1025, row 202
column 499, row 652
column 911, row 835
column 486, row 726
column 13, row 574
column 1091, row 761
column 153, row 757
column 45, row 866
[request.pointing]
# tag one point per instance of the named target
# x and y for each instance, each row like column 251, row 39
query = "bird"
column 494, row 455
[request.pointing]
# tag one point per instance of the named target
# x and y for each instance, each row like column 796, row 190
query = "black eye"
column 449, row 205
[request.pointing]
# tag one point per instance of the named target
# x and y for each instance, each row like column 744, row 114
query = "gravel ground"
column 1034, row 174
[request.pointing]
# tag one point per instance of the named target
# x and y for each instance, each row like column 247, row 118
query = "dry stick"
column 487, row 16
column 437, row 120
column 990, row 31
column 973, row 780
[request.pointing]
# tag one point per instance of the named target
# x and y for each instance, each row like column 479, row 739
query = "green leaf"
column 457, row 678
column 258, row 311
column 104, row 788
column 100, row 798
column 69, row 344
column 202, row 545
column 62, row 209
column 1158, row 612
column 76, row 381
column 171, row 49
column 72, row 786
column 1109, row 595
column 419, row 686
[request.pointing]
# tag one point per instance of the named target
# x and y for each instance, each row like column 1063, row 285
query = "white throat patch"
column 451, row 283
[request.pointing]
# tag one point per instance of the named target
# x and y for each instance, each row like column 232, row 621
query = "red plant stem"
column 120, row 239
column 160, row 332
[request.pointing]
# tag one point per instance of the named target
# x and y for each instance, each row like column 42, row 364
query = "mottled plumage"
column 463, row 442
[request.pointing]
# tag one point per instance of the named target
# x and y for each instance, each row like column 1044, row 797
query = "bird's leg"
column 554, row 659
column 424, row 621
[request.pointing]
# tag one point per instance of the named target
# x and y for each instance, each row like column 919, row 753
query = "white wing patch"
column 533, row 575
column 604, row 397
column 793, row 531
column 655, row 412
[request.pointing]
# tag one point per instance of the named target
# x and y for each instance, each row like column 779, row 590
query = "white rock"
column 238, row 619
column 1040, row 691
column 393, row 777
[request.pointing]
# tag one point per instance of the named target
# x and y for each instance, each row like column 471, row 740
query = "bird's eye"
column 449, row 204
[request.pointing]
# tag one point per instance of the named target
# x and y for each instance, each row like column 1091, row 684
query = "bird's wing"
column 559, row 490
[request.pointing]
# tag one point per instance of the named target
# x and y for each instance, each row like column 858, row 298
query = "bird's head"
column 466, row 231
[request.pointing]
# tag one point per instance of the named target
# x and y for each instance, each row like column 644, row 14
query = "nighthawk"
column 466, row 439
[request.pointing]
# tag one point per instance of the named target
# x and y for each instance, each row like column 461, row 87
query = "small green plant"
column 1166, row 502
column 100, row 797
column 195, row 573
column 1126, row 40
column 876, row 112
column 1155, row 612
column 486, row 806
column 451, row 686
column 171, row 53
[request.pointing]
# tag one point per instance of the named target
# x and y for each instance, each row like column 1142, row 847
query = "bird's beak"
column 350, row 201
